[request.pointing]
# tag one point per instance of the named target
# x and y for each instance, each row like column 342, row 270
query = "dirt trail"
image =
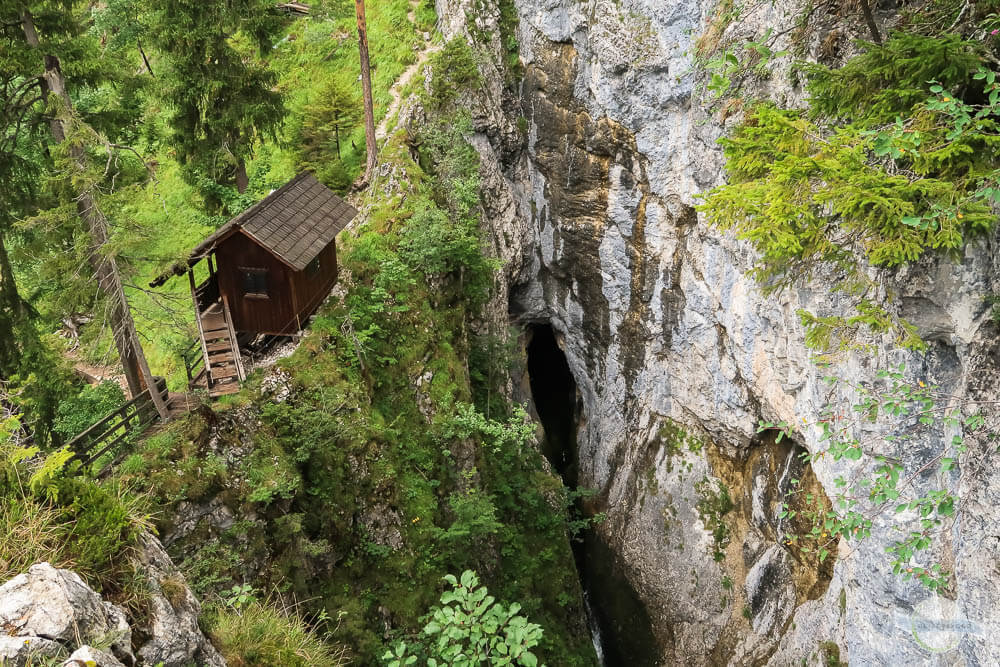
column 404, row 80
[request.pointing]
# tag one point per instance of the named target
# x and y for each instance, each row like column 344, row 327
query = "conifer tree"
column 222, row 100
column 43, row 64
column 366, row 86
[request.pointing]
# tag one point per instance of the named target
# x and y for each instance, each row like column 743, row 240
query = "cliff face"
column 677, row 355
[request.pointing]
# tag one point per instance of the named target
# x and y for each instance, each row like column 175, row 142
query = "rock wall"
column 661, row 327
column 47, row 613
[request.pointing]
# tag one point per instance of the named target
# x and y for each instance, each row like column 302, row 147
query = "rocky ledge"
column 48, row 613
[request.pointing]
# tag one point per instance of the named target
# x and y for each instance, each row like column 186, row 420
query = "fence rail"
column 114, row 430
column 194, row 363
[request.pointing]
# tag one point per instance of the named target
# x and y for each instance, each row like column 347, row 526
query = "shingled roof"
column 295, row 222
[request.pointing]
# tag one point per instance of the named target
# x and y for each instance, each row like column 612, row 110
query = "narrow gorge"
column 638, row 333
column 676, row 355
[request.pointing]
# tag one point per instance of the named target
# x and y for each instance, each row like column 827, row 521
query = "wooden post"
column 201, row 330
column 237, row 359
column 366, row 89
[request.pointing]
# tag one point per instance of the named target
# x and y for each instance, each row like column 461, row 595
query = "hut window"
column 313, row 267
column 255, row 282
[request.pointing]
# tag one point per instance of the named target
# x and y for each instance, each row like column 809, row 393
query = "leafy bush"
column 262, row 635
column 471, row 628
column 77, row 414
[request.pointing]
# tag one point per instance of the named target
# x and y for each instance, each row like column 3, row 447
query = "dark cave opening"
column 553, row 389
column 618, row 620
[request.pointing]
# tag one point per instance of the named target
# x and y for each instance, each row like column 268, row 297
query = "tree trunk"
column 366, row 86
column 106, row 268
column 12, row 310
column 242, row 180
column 149, row 68
column 870, row 20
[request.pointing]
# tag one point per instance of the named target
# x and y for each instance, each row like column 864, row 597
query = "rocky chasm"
column 676, row 355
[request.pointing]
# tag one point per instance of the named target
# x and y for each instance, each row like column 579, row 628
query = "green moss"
column 677, row 440
column 830, row 654
column 714, row 503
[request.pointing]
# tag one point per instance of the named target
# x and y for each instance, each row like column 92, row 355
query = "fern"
column 45, row 480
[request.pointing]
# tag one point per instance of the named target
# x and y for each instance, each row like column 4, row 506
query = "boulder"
column 176, row 639
column 88, row 656
column 46, row 609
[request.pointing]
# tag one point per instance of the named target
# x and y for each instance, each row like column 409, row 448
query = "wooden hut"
column 269, row 268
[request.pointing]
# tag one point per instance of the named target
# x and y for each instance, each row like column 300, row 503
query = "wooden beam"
column 201, row 331
column 237, row 359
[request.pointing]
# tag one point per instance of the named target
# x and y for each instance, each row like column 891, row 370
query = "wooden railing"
column 194, row 363
column 207, row 293
column 114, row 430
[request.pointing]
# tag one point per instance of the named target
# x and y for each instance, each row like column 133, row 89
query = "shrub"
column 471, row 628
column 263, row 634
column 77, row 414
column 71, row 522
column 889, row 79
column 820, row 196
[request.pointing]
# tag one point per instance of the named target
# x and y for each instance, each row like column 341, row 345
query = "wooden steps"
column 221, row 352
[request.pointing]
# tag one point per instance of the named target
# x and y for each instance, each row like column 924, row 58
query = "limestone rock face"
column 174, row 635
column 45, row 610
column 661, row 326
column 87, row 656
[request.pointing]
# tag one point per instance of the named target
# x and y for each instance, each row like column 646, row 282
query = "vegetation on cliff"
column 894, row 156
column 362, row 469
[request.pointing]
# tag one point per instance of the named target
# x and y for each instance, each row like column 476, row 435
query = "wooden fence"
column 194, row 363
column 113, row 431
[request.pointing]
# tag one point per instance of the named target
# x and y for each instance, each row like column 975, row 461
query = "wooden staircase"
column 221, row 367
column 222, row 353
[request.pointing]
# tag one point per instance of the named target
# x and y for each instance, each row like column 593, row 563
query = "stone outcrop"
column 660, row 324
column 172, row 627
column 47, row 613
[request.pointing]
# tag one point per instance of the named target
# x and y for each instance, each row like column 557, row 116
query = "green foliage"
column 894, row 158
column 472, row 628
column 327, row 122
column 455, row 71
column 714, row 503
column 40, row 380
column 71, row 522
column 240, row 596
column 262, row 634
column 894, row 410
column 475, row 516
column 223, row 100
column 887, row 80
column 819, row 199
column 93, row 403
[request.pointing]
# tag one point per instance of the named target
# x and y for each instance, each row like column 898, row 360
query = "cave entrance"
column 619, row 624
column 553, row 391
